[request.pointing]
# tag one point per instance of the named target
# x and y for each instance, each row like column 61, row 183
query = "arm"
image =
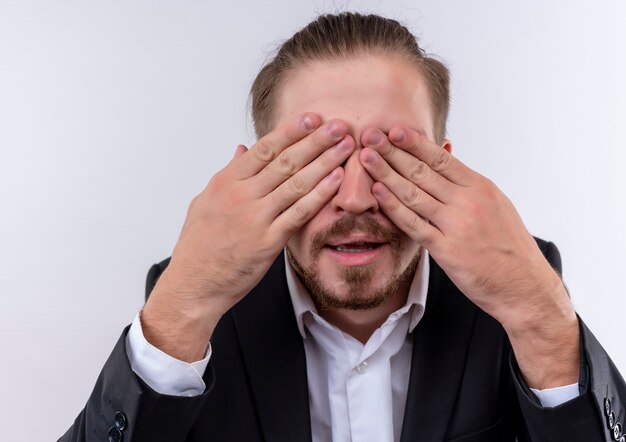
column 148, row 415
column 477, row 237
column 583, row 418
column 234, row 230
column 236, row 227
column 577, row 419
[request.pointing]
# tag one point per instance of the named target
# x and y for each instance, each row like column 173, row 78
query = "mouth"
column 355, row 247
column 351, row 253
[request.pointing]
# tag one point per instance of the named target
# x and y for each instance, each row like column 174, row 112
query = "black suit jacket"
column 464, row 384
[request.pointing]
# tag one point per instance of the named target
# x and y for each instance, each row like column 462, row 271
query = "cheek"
column 300, row 244
column 295, row 243
column 410, row 250
column 301, row 241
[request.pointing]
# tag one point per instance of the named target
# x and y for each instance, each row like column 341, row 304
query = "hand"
column 477, row 237
column 238, row 225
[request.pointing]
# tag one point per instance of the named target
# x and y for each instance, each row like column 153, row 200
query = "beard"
column 360, row 293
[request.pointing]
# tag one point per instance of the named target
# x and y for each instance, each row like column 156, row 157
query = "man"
column 410, row 302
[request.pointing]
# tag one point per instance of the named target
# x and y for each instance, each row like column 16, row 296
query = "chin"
column 353, row 288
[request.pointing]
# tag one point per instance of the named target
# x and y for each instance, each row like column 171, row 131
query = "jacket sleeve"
column 123, row 407
column 597, row 414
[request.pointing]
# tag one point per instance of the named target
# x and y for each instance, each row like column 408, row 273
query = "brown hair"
column 342, row 36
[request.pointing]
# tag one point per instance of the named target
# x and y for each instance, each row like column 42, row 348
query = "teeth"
column 353, row 250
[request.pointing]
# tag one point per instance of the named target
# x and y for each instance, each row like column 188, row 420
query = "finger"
column 291, row 160
column 241, row 149
column 410, row 194
column 437, row 158
column 291, row 220
column 269, row 147
column 410, row 167
column 306, row 179
column 406, row 219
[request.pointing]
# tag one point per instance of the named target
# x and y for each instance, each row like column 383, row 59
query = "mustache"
column 364, row 224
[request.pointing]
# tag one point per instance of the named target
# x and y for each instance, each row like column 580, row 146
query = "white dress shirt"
column 357, row 392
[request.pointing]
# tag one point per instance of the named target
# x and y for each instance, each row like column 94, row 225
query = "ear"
column 447, row 145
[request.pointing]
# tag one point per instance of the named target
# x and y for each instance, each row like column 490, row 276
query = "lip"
column 355, row 238
column 353, row 259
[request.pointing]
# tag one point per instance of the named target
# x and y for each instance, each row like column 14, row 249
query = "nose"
column 355, row 192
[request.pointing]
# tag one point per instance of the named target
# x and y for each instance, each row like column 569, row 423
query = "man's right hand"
column 236, row 227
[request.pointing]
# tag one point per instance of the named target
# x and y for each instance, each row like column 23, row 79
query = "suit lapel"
column 274, row 355
column 440, row 345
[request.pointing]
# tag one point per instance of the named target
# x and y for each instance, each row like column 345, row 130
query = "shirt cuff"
column 163, row 373
column 551, row 397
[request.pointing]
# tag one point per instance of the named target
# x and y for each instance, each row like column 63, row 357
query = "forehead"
column 364, row 91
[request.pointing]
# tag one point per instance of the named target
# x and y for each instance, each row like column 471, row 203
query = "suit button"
column 607, row 406
column 115, row 435
column 617, row 431
column 611, row 420
column 120, row 421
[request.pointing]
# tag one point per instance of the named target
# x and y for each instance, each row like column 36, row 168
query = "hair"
column 343, row 36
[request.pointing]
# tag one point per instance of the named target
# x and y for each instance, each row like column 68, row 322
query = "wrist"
column 547, row 349
column 545, row 336
column 178, row 324
column 549, row 359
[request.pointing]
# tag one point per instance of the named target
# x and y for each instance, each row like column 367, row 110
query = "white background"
column 113, row 115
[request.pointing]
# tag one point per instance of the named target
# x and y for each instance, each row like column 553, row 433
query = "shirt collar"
column 302, row 302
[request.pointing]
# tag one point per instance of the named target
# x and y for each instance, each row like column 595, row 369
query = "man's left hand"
column 473, row 231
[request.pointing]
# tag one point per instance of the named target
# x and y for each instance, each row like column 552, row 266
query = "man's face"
column 350, row 255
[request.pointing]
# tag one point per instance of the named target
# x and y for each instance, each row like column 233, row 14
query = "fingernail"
column 378, row 190
column 399, row 135
column 343, row 146
column 307, row 122
column 335, row 174
column 374, row 138
column 335, row 130
column 370, row 158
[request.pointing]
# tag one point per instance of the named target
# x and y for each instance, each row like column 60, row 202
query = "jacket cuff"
column 574, row 420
